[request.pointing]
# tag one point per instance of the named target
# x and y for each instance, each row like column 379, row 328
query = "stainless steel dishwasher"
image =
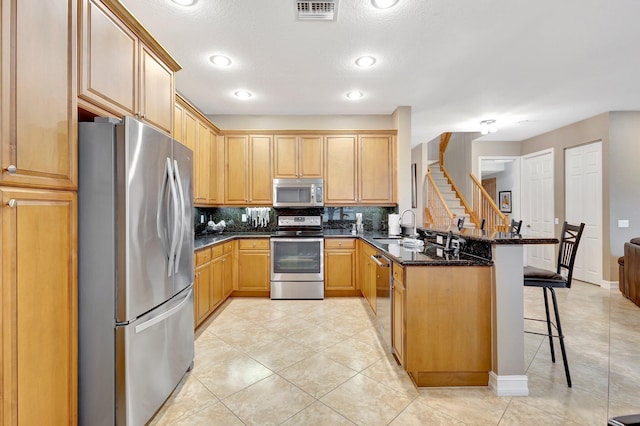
column 383, row 298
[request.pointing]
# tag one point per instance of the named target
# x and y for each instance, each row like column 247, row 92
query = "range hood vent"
column 317, row 10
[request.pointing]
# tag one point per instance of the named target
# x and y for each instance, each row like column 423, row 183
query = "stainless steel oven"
column 297, row 258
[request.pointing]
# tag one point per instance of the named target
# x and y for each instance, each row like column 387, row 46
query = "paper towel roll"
column 394, row 224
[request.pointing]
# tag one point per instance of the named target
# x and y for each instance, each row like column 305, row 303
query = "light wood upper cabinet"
column 39, row 94
column 376, row 169
column 202, row 166
column 247, row 178
column 340, row 170
column 39, row 306
column 298, row 156
column 123, row 70
column 360, row 170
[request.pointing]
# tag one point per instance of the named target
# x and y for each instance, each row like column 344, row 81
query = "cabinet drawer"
column 203, row 256
column 398, row 272
column 340, row 243
column 217, row 251
column 227, row 247
column 248, row 244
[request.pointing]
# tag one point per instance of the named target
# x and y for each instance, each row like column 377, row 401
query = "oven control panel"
column 314, row 221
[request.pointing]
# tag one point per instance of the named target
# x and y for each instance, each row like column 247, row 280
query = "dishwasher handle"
column 375, row 258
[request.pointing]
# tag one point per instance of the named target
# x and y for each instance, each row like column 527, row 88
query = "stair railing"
column 437, row 212
column 485, row 207
column 472, row 216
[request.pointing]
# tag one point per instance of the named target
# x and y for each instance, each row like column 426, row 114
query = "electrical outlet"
column 556, row 221
column 439, row 239
column 623, row 223
column 244, row 217
column 201, row 218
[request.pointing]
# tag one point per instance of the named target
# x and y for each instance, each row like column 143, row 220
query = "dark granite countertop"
column 491, row 237
column 429, row 255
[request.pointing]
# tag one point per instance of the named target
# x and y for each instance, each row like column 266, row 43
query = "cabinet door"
column 376, row 169
column 178, row 119
column 202, row 168
column 310, row 157
column 108, row 60
column 202, row 292
column 39, row 94
column 339, row 269
column 285, row 156
column 260, row 170
column 340, row 170
column 214, row 170
column 39, row 306
column 253, row 270
column 398, row 321
column 217, row 281
column 156, row 91
column 235, row 159
column 227, row 275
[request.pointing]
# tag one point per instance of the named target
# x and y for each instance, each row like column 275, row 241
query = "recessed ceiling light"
column 354, row 94
column 243, row 94
column 184, row 2
column 365, row 61
column 383, row 4
column 220, row 60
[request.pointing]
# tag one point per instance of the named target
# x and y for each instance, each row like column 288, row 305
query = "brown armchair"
column 630, row 271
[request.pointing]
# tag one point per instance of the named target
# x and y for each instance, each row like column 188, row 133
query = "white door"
column 583, row 201
column 537, row 207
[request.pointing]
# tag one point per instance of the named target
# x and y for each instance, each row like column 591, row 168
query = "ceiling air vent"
column 317, row 10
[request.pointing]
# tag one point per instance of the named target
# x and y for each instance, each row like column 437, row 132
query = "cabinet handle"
column 12, row 169
column 12, row 203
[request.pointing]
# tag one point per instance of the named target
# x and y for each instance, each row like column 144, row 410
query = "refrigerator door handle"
column 155, row 320
column 160, row 225
column 182, row 208
column 174, row 233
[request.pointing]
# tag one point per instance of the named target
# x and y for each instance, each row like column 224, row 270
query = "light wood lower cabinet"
column 253, row 265
column 213, row 279
column 398, row 309
column 39, row 307
column 367, row 277
column 447, row 316
column 340, row 266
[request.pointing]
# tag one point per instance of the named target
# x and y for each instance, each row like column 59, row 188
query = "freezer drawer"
column 152, row 355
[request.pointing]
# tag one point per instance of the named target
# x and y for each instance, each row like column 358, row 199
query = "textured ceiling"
column 531, row 65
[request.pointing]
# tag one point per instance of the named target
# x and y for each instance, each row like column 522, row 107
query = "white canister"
column 394, row 224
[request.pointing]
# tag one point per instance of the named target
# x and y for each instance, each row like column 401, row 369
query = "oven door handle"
column 297, row 239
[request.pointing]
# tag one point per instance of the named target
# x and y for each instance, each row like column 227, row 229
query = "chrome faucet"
column 414, row 220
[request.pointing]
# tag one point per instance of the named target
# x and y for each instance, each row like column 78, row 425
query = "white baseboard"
column 610, row 285
column 509, row 385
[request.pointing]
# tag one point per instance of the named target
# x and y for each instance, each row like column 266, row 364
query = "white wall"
column 508, row 180
column 457, row 161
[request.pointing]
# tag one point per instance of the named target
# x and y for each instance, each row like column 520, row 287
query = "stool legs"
column 550, row 334
column 560, row 335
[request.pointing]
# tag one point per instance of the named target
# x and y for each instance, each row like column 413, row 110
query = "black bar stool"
column 548, row 280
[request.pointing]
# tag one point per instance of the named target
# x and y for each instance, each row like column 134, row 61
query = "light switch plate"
column 438, row 239
column 556, row 221
column 623, row 223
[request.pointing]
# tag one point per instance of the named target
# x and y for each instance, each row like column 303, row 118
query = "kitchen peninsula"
column 456, row 319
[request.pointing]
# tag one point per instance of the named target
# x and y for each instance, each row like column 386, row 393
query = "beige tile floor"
column 263, row 362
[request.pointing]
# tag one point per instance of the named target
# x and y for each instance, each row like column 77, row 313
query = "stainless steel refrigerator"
column 135, row 257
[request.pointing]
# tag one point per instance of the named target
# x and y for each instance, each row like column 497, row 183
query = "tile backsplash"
column 373, row 218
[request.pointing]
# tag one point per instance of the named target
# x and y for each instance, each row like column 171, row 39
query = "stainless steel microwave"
column 298, row 193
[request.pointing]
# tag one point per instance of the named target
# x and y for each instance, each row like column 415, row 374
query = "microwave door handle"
column 174, row 233
column 313, row 194
column 181, row 211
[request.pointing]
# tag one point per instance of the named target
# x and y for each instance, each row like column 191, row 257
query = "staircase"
column 453, row 202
